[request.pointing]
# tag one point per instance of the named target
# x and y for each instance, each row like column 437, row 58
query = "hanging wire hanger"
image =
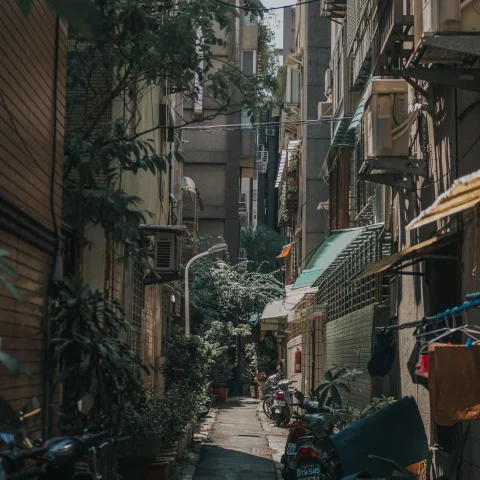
column 470, row 331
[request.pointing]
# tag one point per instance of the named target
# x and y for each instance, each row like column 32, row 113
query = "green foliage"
column 335, row 380
column 262, row 245
column 228, row 292
column 188, row 359
column 377, row 404
column 90, row 355
column 80, row 14
column 7, row 271
column 251, row 358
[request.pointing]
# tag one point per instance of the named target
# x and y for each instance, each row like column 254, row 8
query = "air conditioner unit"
column 386, row 119
column 450, row 16
column 328, row 83
column 167, row 253
column 325, row 110
column 270, row 132
column 292, row 90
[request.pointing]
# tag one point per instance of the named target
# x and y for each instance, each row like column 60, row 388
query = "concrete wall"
column 315, row 35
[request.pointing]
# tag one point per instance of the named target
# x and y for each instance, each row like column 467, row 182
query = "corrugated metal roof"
column 279, row 309
column 281, row 168
column 462, row 195
column 325, row 255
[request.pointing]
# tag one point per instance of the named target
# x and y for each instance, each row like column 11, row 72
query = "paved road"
column 238, row 448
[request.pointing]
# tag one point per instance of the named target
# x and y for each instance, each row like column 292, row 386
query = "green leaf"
column 25, row 6
column 13, row 365
column 323, row 398
column 335, row 394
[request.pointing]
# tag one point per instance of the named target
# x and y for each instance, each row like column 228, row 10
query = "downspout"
column 313, row 355
column 47, row 384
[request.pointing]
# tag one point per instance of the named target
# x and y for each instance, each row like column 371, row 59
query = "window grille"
column 138, row 306
column 336, row 291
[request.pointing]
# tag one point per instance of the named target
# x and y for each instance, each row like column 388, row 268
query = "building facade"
column 218, row 158
column 32, row 97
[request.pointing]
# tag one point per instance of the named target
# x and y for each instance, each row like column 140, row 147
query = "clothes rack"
column 473, row 301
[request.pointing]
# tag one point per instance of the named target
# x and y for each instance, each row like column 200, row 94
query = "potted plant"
column 221, row 373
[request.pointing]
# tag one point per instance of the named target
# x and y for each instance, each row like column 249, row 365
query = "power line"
column 252, row 9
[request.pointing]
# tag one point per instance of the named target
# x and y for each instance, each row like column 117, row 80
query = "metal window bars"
column 335, row 289
column 261, row 160
column 138, row 306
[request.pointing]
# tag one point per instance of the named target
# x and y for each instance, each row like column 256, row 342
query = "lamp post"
column 215, row 249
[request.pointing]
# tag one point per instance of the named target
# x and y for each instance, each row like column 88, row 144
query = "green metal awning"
column 359, row 112
column 343, row 137
column 325, row 255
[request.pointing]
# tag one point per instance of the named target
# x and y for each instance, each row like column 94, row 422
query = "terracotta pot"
column 222, row 395
column 165, row 458
column 159, row 471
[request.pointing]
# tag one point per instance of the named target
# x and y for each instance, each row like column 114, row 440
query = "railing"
column 333, row 8
column 361, row 58
column 242, row 207
column 392, row 23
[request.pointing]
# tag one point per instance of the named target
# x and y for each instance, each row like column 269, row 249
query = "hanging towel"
column 453, row 375
column 384, row 354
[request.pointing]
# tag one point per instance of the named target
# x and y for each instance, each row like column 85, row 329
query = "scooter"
column 281, row 410
column 395, row 432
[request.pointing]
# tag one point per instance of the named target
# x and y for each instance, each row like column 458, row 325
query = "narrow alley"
column 239, row 446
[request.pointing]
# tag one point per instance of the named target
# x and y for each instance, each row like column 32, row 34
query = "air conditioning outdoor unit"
column 270, row 132
column 167, row 253
column 328, row 83
column 443, row 16
column 386, row 119
column 292, row 90
column 325, row 110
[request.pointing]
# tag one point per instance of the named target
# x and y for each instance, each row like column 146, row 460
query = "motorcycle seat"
column 310, row 406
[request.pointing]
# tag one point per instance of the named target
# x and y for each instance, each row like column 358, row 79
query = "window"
column 248, row 62
column 138, row 305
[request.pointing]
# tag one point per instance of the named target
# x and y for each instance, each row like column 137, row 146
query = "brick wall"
column 27, row 61
column 348, row 342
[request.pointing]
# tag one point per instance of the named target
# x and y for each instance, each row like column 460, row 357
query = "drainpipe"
column 313, row 355
column 47, row 384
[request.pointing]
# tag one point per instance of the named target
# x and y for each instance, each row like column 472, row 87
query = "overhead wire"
column 266, row 9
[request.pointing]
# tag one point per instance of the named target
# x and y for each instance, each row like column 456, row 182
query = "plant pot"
column 134, row 468
column 252, row 392
column 159, row 471
column 165, row 458
column 222, row 394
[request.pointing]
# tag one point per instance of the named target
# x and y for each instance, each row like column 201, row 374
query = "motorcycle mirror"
column 86, row 403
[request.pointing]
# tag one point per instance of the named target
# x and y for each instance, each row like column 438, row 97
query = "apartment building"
column 220, row 161
column 404, row 104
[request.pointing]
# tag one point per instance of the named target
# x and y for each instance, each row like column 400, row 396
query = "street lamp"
column 215, row 249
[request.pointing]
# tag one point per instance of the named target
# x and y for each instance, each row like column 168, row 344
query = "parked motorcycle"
column 388, row 440
column 269, row 388
column 281, row 409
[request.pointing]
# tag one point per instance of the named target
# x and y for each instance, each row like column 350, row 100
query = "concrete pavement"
column 240, row 445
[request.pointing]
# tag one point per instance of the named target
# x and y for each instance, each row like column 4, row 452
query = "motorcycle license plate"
column 309, row 472
column 279, row 403
column 291, row 449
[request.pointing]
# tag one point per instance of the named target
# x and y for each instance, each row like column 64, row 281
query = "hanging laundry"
column 454, row 390
column 384, row 354
column 421, row 368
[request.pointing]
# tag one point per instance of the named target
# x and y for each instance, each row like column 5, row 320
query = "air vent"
column 167, row 253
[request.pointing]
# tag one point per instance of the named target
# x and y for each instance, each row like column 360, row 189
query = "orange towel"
column 454, row 383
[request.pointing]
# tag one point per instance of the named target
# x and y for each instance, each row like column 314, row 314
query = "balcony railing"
column 361, row 55
column 333, row 8
column 392, row 37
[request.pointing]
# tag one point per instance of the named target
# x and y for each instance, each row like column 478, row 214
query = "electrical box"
column 386, row 129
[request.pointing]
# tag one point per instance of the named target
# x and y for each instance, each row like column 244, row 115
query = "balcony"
column 333, row 8
column 243, row 213
column 360, row 54
column 261, row 160
column 392, row 45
